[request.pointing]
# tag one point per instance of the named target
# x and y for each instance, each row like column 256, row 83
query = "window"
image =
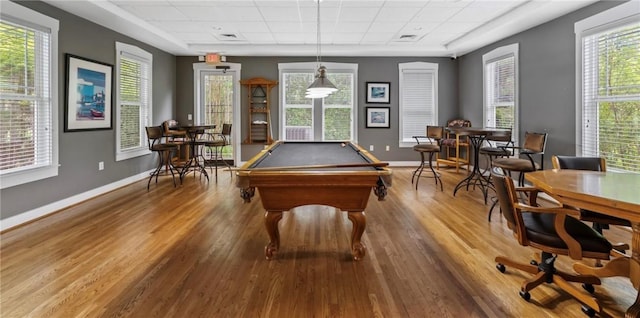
column 329, row 118
column 608, row 104
column 418, row 100
column 133, row 102
column 501, row 89
column 28, row 95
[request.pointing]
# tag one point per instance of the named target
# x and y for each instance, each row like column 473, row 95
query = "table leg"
column 621, row 266
column 634, row 269
column 476, row 176
column 359, row 222
column 271, row 219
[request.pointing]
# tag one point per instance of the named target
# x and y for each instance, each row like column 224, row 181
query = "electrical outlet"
column 370, row 147
column 101, row 165
column 189, row 117
column 387, row 148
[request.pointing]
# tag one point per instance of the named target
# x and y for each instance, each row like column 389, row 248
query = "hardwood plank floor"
column 198, row 251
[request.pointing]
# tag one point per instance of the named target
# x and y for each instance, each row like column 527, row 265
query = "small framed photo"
column 377, row 117
column 378, row 93
column 89, row 86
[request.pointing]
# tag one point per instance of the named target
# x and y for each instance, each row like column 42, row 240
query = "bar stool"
column 164, row 151
column 215, row 144
column 430, row 145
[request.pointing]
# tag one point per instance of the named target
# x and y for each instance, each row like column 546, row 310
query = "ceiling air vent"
column 233, row 37
column 406, row 38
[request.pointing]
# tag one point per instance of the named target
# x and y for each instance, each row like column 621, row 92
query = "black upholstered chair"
column 600, row 221
column 553, row 231
column 534, row 145
column 164, row 150
column 429, row 144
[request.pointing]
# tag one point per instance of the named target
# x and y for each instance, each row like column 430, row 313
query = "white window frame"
column 429, row 68
column 311, row 67
column 143, row 149
column 626, row 13
column 14, row 11
column 497, row 54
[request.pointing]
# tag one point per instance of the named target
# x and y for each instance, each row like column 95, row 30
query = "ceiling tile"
column 289, row 26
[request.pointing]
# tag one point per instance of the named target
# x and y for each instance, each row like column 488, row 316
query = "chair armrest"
column 574, row 247
column 417, row 138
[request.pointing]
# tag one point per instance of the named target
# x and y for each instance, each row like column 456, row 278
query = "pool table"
column 289, row 174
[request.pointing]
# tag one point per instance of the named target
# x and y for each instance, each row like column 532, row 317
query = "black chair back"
column 504, row 186
column 579, row 163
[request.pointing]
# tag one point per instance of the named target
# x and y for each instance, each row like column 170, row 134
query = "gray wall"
column 80, row 152
column 547, row 80
column 370, row 69
column 547, row 99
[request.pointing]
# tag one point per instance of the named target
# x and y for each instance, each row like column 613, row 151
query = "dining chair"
column 553, row 231
column 599, row 221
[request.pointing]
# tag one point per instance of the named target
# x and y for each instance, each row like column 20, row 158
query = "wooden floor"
column 198, row 251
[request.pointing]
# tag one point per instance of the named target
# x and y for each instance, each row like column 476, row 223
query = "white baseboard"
column 58, row 205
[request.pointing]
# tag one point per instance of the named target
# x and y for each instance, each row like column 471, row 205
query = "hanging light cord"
column 318, row 35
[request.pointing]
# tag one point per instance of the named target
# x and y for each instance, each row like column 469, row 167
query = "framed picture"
column 89, row 86
column 378, row 93
column 377, row 117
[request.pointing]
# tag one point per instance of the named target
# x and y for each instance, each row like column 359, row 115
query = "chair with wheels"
column 428, row 144
column 599, row 221
column 534, row 145
column 163, row 149
column 554, row 232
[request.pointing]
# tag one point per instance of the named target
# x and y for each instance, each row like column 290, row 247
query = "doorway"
column 218, row 101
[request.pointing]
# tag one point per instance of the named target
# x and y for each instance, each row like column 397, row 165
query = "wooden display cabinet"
column 259, row 109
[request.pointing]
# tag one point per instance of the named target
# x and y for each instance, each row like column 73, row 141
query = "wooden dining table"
column 610, row 193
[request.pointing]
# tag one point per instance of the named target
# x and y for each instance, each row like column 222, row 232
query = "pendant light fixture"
column 321, row 86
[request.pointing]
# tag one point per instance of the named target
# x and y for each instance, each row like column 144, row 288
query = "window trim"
column 620, row 15
column 428, row 67
column 31, row 18
column 490, row 57
column 143, row 149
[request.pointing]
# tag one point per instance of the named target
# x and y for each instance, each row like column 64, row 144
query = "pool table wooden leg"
column 359, row 222
column 271, row 219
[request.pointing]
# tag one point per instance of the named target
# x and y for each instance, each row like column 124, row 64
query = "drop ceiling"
column 348, row 27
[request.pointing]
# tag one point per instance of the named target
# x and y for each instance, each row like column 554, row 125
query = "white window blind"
column 611, row 96
column 134, row 101
column 418, row 100
column 28, row 109
column 500, row 77
column 500, row 86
